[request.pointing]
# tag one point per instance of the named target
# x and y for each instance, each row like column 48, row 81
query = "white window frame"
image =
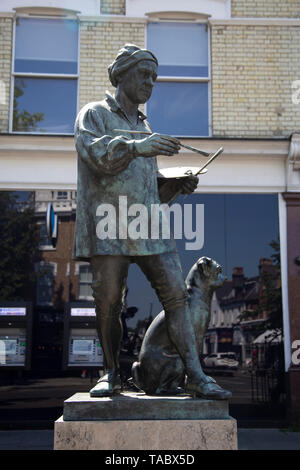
column 40, row 75
column 58, row 198
column 187, row 79
column 77, row 273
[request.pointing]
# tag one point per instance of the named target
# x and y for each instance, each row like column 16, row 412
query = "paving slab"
column 26, row 440
column 268, row 439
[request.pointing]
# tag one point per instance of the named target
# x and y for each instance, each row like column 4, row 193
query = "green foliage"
column 23, row 120
column 270, row 299
column 295, row 427
column 19, row 243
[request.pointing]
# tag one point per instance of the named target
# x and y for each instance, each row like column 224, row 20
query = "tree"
column 271, row 301
column 270, row 298
column 23, row 120
column 18, row 245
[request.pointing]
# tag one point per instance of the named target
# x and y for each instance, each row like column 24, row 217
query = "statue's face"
column 137, row 82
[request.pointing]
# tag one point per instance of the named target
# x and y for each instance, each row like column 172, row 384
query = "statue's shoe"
column 209, row 390
column 107, row 386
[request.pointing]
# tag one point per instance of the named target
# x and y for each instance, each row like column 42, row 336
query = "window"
column 45, row 283
column 62, row 195
column 44, row 242
column 45, row 73
column 85, row 281
column 179, row 102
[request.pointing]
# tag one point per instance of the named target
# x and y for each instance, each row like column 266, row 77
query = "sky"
column 238, row 229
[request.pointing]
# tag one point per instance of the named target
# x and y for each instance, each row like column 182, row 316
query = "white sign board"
column 83, row 312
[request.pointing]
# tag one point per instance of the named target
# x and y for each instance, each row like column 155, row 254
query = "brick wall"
column 5, row 71
column 113, row 7
column 253, row 68
column 64, row 283
column 99, row 44
column 265, row 8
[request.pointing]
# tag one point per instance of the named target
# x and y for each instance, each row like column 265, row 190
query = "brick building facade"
column 265, row 9
column 113, row 7
column 253, row 67
column 5, row 70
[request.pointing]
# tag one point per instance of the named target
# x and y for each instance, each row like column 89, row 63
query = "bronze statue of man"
column 113, row 164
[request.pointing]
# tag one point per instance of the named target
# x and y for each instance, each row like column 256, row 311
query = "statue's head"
column 134, row 70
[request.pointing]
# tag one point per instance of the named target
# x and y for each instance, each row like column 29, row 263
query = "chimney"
column 265, row 266
column 238, row 276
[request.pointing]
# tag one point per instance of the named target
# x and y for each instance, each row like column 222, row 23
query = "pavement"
column 268, row 439
column 36, row 402
column 248, row 439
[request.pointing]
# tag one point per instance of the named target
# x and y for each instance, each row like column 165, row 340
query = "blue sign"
column 52, row 224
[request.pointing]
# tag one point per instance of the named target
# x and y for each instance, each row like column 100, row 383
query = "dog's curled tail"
column 135, row 371
column 140, row 381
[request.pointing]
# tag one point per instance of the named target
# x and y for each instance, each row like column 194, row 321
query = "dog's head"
column 210, row 272
column 207, row 272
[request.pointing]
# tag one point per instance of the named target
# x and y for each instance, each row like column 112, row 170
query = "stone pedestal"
column 135, row 421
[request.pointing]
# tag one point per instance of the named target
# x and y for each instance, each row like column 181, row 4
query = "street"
column 38, row 402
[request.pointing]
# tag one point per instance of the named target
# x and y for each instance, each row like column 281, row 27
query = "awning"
column 269, row 336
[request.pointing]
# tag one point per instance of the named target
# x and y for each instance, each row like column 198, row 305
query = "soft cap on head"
column 129, row 55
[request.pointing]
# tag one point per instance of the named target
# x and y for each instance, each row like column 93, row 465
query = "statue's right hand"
column 157, row 144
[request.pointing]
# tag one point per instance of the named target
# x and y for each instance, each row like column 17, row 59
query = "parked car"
column 226, row 360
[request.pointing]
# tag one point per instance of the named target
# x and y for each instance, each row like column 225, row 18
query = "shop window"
column 45, row 75
column 179, row 104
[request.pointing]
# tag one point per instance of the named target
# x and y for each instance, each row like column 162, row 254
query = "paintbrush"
column 189, row 147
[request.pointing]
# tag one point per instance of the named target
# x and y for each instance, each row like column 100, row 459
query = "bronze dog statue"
column 160, row 369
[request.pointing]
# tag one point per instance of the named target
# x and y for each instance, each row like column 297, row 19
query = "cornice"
column 294, row 152
column 236, row 148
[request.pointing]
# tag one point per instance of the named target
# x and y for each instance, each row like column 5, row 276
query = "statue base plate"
column 135, row 421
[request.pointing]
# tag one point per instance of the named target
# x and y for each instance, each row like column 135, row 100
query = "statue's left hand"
column 188, row 184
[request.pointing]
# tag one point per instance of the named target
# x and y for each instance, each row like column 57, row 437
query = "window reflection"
column 44, row 105
column 179, row 109
column 168, row 42
column 45, row 75
column 238, row 231
column 46, row 46
column 179, row 104
column 85, row 282
column 45, row 284
column 243, row 346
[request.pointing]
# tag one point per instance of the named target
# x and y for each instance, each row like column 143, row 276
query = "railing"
column 267, row 373
column 267, row 385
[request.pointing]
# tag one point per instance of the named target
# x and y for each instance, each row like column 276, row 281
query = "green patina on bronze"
column 107, row 170
column 110, row 166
